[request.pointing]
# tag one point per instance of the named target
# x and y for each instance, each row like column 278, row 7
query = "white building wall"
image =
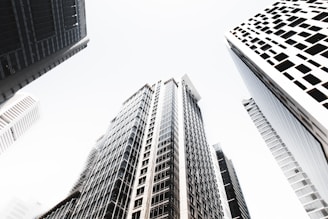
column 16, row 116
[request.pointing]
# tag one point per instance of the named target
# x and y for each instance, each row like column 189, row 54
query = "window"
column 143, row 171
column 140, row 191
column 302, row 68
column 145, row 162
column 317, row 95
column 136, row 215
column 312, row 79
column 138, row 202
column 284, row 65
column 315, row 38
column 142, row 180
column 316, row 49
column 281, row 56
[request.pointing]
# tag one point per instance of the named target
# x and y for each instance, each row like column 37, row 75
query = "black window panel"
column 317, row 95
column 292, row 18
column 265, row 56
column 279, row 32
column 279, row 25
column 325, row 85
column 314, row 63
column 290, row 42
column 316, row 49
column 297, row 22
column 281, row 56
column 288, row 76
column 300, row 46
column 315, row 28
column 325, row 54
column 304, row 25
column 304, row 34
column 301, row 56
column 266, row 47
column 303, row 68
column 312, row 79
column 325, row 105
column 288, row 34
column 315, row 38
column 300, row 85
column 325, row 69
column 42, row 18
column 320, row 16
column 295, row 10
column 9, row 38
column 284, row 65
column 277, row 21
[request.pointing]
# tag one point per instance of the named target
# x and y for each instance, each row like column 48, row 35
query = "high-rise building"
column 234, row 194
column 308, row 195
column 37, row 35
column 282, row 56
column 286, row 46
column 21, row 209
column 16, row 116
column 153, row 162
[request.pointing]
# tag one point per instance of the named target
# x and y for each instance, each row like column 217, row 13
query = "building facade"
column 16, row 116
column 306, row 192
column 286, row 46
column 153, row 162
column 234, row 194
column 281, row 56
column 36, row 36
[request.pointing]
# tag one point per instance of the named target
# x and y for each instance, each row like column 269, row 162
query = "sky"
column 133, row 43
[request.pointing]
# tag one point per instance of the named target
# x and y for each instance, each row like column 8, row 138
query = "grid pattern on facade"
column 298, row 27
column 237, row 204
column 16, row 116
column 165, row 192
column 203, row 196
column 35, row 35
column 135, row 172
column 306, row 192
column 110, row 182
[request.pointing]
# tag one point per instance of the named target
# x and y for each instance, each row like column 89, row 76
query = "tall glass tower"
column 37, row 35
column 281, row 54
column 153, row 162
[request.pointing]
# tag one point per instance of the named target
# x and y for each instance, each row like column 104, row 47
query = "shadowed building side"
column 36, row 36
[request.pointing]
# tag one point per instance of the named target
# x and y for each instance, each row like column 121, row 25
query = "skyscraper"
column 16, row 116
column 282, row 56
column 298, row 179
column 286, row 46
column 153, row 162
column 235, row 197
column 36, row 36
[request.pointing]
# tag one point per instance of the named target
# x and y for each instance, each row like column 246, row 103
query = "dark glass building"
column 235, row 197
column 37, row 35
column 153, row 162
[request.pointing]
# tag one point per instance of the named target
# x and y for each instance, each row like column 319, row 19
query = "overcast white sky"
column 133, row 43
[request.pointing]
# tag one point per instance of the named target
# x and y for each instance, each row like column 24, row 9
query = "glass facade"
column 236, row 201
column 36, row 36
column 311, row 200
column 202, row 191
column 136, row 170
